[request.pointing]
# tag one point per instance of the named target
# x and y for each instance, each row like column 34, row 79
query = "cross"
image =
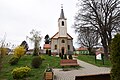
column 62, row 6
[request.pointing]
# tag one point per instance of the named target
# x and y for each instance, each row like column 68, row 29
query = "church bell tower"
column 62, row 24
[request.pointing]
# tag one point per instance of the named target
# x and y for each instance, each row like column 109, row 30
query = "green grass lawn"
column 91, row 59
column 35, row 74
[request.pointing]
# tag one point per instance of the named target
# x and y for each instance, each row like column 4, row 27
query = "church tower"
column 62, row 42
column 62, row 24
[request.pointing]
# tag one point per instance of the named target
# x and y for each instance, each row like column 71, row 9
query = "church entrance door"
column 62, row 50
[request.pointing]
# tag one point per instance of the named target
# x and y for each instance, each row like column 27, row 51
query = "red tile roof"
column 101, row 50
column 46, row 46
column 81, row 48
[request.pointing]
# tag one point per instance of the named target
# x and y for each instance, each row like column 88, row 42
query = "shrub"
column 14, row 60
column 19, row 51
column 115, row 57
column 70, row 56
column 21, row 72
column 36, row 62
column 42, row 57
column 65, row 56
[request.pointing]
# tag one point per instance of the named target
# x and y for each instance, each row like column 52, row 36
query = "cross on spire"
column 61, row 6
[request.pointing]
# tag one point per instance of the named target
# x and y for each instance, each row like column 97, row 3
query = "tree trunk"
column 90, row 51
column 105, row 49
column 106, row 52
column 109, row 41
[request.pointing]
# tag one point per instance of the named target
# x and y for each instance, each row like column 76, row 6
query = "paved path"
column 87, row 69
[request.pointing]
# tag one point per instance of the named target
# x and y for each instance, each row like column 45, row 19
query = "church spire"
column 62, row 12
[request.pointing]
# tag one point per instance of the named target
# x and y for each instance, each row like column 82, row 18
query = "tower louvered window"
column 62, row 23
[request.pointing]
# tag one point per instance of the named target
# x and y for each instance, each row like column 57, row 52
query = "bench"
column 68, row 62
column 105, row 76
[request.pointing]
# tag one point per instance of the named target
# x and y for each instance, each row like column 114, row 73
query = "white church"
column 62, row 42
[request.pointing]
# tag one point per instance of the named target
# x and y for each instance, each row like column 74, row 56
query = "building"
column 62, row 42
column 46, row 48
column 82, row 50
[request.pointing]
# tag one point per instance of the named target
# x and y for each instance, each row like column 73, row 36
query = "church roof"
column 56, row 36
column 69, row 36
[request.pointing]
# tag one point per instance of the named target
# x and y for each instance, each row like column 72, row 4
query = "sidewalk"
column 87, row 69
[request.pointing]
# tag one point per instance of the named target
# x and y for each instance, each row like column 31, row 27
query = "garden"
column 26, row 62
column 22, row 66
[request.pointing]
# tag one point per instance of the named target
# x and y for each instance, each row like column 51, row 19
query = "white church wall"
column 71, row 44
column 54, row 42
column 62, row 29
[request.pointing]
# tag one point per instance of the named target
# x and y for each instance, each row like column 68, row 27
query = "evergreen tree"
column 25, row 45
column 47, row 39
column 115, row 58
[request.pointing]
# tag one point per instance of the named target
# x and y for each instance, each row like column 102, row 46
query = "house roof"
column 57, row 36
column 81, row 48
column 101, row 50
column 46, row 46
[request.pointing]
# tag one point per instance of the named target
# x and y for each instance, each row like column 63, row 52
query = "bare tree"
column 88, row 37
column 103, row 15
column 36, row 38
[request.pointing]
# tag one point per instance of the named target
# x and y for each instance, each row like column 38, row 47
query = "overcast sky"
column 19, row 17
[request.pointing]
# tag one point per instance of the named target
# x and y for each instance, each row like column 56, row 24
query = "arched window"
column 55, row 46
column 63, row 41
column 62, row 23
